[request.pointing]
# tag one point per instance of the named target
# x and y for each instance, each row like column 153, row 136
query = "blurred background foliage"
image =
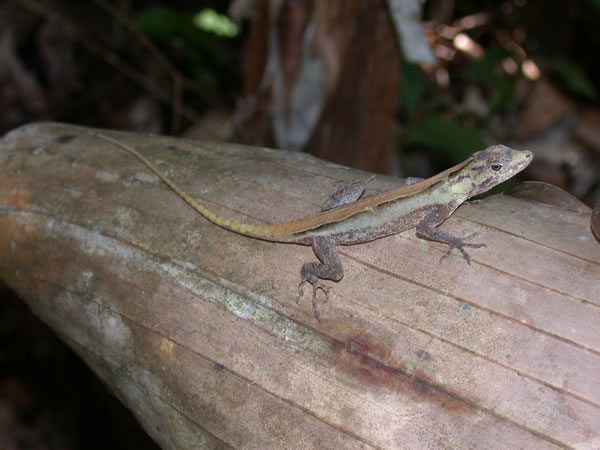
column 519, row 72
column 511, row 34
column 205, row 69
column 198, row 44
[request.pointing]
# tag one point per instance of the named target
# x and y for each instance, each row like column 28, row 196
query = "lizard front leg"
column 427, row 229
column 330, row 268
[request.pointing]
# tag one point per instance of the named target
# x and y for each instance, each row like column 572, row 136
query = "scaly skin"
column 424, row 205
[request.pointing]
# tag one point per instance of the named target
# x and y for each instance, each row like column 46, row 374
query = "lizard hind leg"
column 329, row 268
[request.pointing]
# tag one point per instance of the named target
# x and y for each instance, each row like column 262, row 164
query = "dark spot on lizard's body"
column 487, row 184
column 305, row 241
column 65, row 138
column 476, row 168
column 218, row 367
column 459, row 178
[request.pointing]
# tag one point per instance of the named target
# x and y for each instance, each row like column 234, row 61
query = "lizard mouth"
column 520, row 160
column 526, row 156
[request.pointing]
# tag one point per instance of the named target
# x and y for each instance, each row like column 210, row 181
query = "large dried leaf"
column 196, row 329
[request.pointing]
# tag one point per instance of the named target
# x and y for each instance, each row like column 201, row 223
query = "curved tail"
column 267, row 232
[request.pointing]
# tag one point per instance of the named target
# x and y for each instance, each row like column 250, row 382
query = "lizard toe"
column 316, row 286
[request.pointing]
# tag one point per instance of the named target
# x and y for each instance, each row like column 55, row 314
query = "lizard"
column 423, row 205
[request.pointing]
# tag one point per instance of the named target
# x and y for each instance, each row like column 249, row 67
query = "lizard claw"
column 459, row 243
column 316, row 285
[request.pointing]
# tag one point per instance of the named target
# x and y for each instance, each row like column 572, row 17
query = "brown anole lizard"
column 422, row 205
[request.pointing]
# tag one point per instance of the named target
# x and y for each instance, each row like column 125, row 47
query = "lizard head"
column 494, row 165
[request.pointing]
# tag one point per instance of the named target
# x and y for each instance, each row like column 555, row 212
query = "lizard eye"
column 496, row 166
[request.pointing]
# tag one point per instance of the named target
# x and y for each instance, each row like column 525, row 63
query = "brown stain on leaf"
column 360, row 357
column 65, row 138
column 11, row 194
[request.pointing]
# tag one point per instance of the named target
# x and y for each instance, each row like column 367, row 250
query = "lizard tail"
column 266, row 232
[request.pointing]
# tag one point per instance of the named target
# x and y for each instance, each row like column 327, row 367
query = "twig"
column 113, row 59
column 176, row 76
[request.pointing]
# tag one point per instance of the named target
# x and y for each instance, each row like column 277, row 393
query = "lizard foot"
column 316, row 285
column 459, row 243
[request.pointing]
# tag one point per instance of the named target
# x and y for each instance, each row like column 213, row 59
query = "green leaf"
column 594, row 4
column 412, row 86
column 485, row 70
column 505, row 93
column 164, row 24
column 456, row 140
column 195, row 50
column 573, row 77
column 210, row 20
